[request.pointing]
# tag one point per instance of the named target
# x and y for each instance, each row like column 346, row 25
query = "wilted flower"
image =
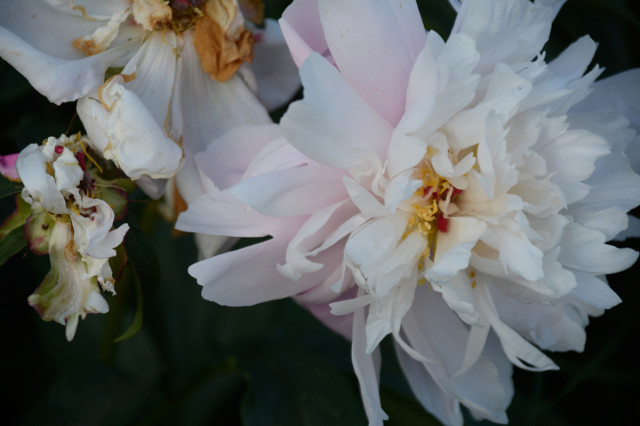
column 73, row 225
column 156, row 80
column 457, row 195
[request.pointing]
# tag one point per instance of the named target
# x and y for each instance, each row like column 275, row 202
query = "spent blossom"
column 457, row 195
column 70, row 221
column 156, row 81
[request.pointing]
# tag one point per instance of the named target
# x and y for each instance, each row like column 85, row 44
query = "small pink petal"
column 8, row 167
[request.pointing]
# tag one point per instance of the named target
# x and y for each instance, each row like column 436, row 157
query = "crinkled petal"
column 506, row 31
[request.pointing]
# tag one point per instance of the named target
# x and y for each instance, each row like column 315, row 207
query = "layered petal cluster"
column 457, row 195
column 156, row 81
column 73, row 226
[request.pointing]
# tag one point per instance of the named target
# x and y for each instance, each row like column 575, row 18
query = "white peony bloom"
column 72, row 226
column 457, row 195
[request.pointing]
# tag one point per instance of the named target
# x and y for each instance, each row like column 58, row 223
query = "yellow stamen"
column 84, row 149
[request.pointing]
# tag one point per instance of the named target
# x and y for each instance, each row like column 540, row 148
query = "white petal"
column 595, row 291
column 585, row 250
column 515, row 346
column 508, row 32
column 206, row 109
column 454, row 247
column 37, row 40
column 364, row 200
column 128, row 134
column 39, row 185
column 432, row 397
column 367, row 369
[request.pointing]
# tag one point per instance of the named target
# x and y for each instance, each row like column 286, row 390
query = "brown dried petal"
column 221, row 40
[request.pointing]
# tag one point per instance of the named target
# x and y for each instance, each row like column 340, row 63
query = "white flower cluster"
column 72, row 225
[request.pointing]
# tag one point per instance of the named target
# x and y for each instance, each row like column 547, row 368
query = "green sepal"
column 37, row 231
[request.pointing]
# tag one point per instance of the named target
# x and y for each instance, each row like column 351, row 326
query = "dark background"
column 197, row 363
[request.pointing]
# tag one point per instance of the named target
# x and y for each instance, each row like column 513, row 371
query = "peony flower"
column 72, row 225
column 457, row 195
column 156, row 81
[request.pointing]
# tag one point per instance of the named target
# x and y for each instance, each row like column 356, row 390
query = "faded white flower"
column 72, row 225
column 157, row 81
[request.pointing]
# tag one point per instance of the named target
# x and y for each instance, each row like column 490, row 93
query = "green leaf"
column 136, row 324
column 17, row 218
column 8, row 188
column 11, row 244
column 142, row 258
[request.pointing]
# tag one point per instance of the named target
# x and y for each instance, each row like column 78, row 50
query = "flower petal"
column 332, row 125
column 375, row 48
column 275, row 71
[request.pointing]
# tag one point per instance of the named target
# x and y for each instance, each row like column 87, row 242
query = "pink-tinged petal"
column 341, row 324
column 302, row 30
column 226, row 159
column 375, row 48
column 506, row 31
column 277, row 155
column 292, row 192
column 312, row 233
column 205, row 109
column 275, row 71
column 249, row 276
column 432, row 397
column 245, row 277
column 8, row 166
column 219, row 213
column 367, row 369
column 332, row 124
